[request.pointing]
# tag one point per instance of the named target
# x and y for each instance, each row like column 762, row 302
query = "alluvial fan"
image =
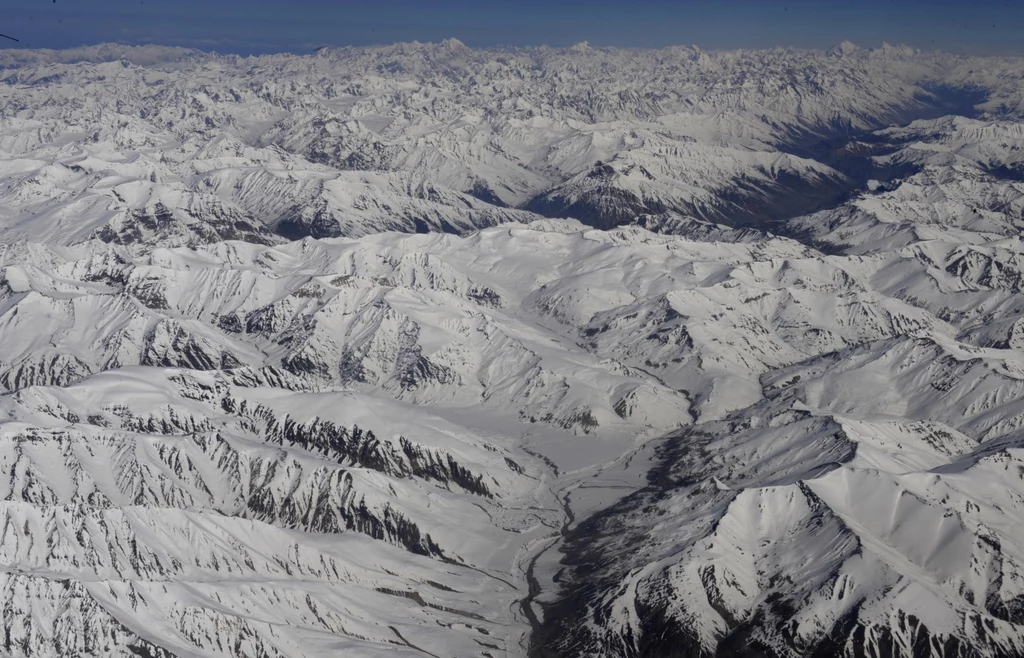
column 427, row 350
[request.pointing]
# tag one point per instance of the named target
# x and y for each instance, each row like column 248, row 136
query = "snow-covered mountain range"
column 422, row 349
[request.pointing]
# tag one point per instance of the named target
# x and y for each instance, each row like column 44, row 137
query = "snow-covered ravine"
column 581, row 492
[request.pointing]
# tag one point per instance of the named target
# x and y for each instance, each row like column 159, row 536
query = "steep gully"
column 617, row 477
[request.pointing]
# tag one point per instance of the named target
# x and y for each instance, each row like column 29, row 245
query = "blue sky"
column 255, row 26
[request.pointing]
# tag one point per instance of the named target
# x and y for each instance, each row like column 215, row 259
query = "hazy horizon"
column 234, row 27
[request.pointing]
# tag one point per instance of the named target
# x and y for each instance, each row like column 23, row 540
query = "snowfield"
column 426, row 350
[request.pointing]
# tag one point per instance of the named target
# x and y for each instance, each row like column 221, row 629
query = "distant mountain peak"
column 453, row 44
column 900, row 50
column 844, row 49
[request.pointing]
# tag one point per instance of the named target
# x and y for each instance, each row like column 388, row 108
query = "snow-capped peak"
column 844, row 49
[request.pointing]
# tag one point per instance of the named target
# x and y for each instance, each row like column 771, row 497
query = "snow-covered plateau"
column 422, row 350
